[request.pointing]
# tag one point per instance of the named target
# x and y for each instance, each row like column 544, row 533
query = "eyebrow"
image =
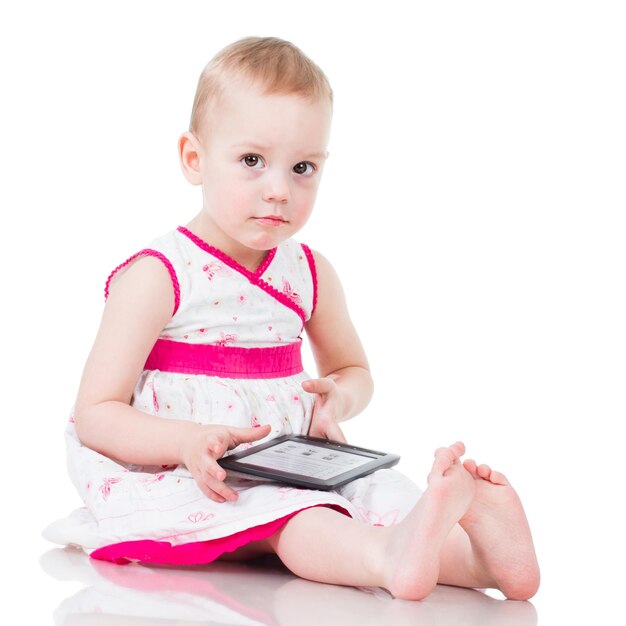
column 259, row 148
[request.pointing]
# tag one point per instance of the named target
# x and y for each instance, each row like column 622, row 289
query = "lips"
column 271, row 220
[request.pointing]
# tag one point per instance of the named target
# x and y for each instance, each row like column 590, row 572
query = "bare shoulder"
column 332, row 335
column 139, row 305
column 140, row 302
column 146, row 280
column 328, row 282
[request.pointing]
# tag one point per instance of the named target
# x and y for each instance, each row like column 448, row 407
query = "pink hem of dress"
column 163, row 259
column 253, row 277
column 194, row 553
column 225, row 361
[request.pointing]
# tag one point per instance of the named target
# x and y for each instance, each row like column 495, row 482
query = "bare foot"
column 500, row 535
column 412, row 554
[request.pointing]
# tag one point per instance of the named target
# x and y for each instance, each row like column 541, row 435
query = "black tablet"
column 308, row 462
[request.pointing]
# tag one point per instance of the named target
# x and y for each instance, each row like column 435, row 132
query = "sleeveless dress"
column 229, row 355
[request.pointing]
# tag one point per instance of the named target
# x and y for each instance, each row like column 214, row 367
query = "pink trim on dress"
column 253, row 277
column 194, row 553
column 225, row 361
column 269, row 257
column 163, row 259
column 222, row 256
column 311, row 260
column 282, row 298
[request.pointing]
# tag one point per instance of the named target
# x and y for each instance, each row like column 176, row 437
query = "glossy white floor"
column 257, row 593
column 62, row 586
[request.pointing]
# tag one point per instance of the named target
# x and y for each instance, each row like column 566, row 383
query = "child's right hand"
column 204, row 444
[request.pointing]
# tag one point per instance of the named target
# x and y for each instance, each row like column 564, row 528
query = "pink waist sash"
column 225, row 361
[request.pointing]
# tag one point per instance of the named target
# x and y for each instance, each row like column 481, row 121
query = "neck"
column 209, row 232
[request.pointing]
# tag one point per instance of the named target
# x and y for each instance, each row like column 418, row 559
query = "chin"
column 267, row 241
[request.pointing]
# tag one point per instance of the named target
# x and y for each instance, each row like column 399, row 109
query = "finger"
column 243, row 435
column 213, row 468
column 330, row 431
column 205, row 488
column 231, row 436
column 318, row 385
column 209, row 493
column 336, row 434
column 223, row 491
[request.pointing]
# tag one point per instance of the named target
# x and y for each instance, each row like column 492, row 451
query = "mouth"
column 271, row 220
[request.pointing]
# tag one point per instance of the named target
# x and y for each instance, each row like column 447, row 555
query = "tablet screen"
column 306, row 459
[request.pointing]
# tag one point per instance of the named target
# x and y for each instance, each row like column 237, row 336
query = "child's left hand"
column 327, row 410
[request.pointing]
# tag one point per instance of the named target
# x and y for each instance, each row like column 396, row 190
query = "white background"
column 473, row 206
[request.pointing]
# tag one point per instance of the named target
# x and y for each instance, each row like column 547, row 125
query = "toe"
column 470, row 466
column 458, row 449
column 441, row 464
column 444, row 458
column 484, row 471
column 498, row 478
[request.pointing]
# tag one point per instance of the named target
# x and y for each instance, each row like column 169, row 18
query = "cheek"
column 230, row 199
column 307, row 192
column 306, row 187
column 303, row 211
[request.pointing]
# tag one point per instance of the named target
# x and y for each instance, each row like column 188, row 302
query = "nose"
column 276, row 188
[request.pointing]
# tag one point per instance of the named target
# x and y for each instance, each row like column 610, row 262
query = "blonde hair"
column 276, row 65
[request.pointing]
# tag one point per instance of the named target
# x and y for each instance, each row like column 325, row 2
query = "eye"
column 251, row 161
column 301, row 168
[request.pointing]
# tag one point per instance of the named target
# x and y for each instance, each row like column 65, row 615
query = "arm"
column 345, row 382
column 139, row 306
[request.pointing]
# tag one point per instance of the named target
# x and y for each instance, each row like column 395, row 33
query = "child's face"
column 260, row 164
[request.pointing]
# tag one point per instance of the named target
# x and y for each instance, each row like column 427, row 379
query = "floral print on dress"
column 105, row 487
column 376, row 518
column 226, row 339
column 290, row 293
column 150, row 480
column 200, row 516
column 214, row 269
column 155, row 399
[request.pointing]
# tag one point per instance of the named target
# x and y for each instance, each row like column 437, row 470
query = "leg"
column 326, row 546
column 252, row 550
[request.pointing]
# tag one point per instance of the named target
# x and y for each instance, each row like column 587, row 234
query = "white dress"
column 219, row 303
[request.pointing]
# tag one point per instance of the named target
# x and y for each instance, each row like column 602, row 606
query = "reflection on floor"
column 254, row 593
